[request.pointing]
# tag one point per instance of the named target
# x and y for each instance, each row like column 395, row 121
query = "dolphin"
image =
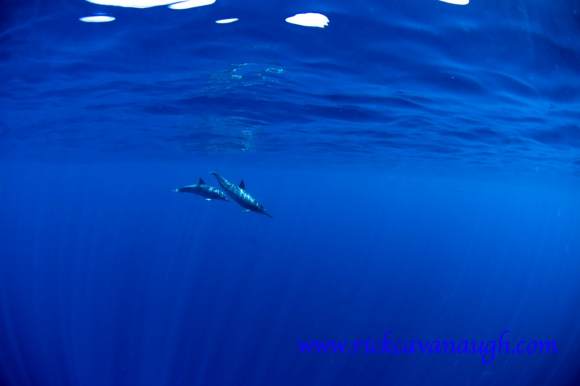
column 238, row 194
column 204, row 190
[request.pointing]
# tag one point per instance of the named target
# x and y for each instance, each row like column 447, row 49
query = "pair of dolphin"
column 236, row 192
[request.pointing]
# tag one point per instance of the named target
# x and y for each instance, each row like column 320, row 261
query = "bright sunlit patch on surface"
column 456, row 2
column 227, row 21
column 97, row 19
column 134, row 3
column 309, row 20
column 191, row 4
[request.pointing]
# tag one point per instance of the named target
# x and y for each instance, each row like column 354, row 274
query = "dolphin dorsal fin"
column 242, row 184
column 201, row 181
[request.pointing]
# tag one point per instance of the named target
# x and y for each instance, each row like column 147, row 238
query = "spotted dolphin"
column 204, row 190
column 238, row 194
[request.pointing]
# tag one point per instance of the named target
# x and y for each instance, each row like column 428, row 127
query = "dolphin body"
column 204, row 190
column 238, row 194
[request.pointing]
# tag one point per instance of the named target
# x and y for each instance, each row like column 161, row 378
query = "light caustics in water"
column 227, row 21
column 309, row 20
column 456, row 2
column 97, row 19
column 133, row 3
column 191, row 4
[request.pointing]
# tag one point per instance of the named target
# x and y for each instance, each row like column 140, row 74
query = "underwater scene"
column 283, row 193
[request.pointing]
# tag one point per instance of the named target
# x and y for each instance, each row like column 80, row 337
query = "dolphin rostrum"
column 204, row 190
column 238, row 194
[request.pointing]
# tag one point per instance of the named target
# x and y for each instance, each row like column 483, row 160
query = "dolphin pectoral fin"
column 208, row 199
column 201, row 181
column 242, row 184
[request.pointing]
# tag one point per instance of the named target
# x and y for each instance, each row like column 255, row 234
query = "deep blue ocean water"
column 421, row 161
